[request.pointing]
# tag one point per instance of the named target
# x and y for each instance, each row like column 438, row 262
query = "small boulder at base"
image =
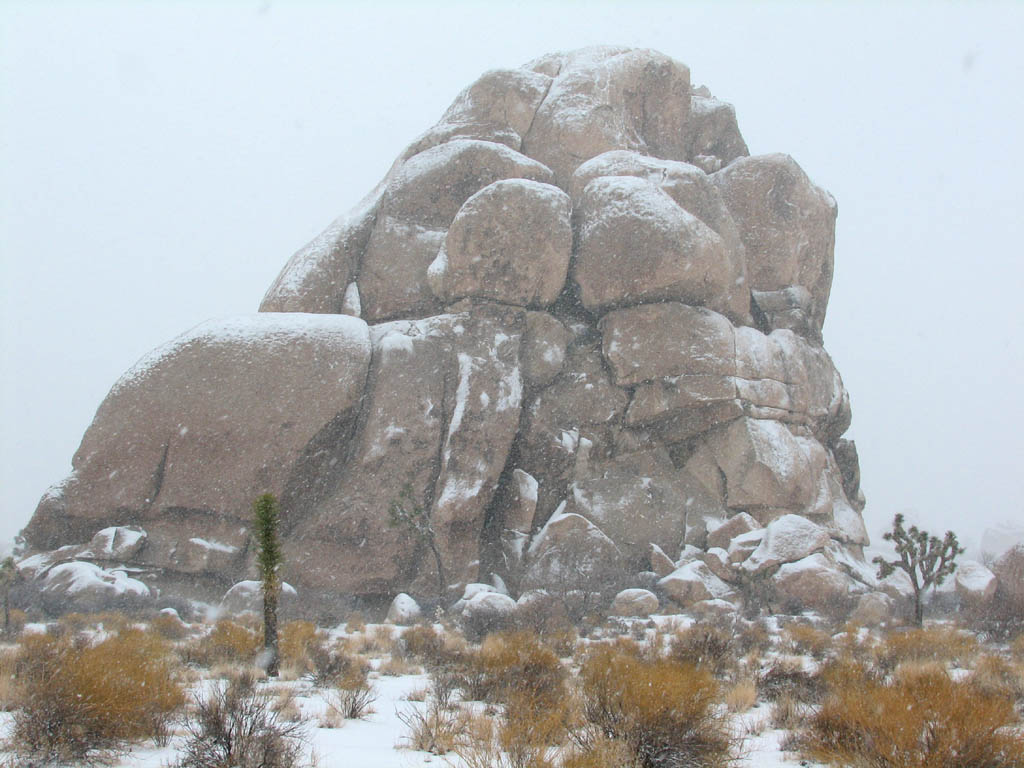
column 248, row 596
column 634, row 602
column 873, row 609
column 786, row 540
column 695, row 582
column 488, row 605
column 814, row 582
column 403, row 610
column 88, row 588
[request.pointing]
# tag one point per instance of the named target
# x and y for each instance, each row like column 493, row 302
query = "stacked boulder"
column 576, row 326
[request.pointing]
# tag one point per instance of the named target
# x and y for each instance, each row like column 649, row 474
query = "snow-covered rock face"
column 575, row 326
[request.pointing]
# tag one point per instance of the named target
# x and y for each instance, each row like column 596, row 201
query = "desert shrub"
column 334, row 666
column 803, row 638
column 995, row 676
column 444, row 684
column 941, row 644
column 237, row 725
column 517, row 662
column 752, row 637
column 169, row 626
column 353, row 700
column 79, row 699
column 921, row 718
column 356, row 623
column 296, row 642
column 8, row 671
column 788, row 713
column 375, row 640
column 666, row 712
column 788, row 677
column 433, row 728
column 397, row 665
column 741, row 696
column 706, row 646
column 424, row 644
column 595, row 750
column 527, row 736
column 229, row 642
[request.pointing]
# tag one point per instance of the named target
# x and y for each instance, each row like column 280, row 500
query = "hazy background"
column 159, row 164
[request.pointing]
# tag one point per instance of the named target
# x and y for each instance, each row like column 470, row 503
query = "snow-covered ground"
column 379, row 740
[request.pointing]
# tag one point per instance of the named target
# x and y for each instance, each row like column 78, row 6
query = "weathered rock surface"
column 575, row 327
column 693, row 583
column 635, row 602
column 788, row 225
column 403, row 610
column 975, row 583
column 510, row 242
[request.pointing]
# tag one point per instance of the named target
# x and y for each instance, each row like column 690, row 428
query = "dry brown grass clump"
column 704, row 645
column 433, row 728
column 530, row 734
column 334, row 666
column 79, row 699
column 741, row 696
column 941, row 644
column 666, row 712
column 297, row 642
column 355, row 623
column 229, row 642
column 8, row 672
column 425, row 644
column 803, row 638
column 375, row 640
column 518, row 662
column 788, row 677
column 169, row 626
column 920, row 719
column 996, row 676
column 397, row 665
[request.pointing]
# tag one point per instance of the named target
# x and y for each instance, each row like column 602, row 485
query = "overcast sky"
column 160, row 163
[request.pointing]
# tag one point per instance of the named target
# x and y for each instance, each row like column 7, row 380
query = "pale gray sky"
column 160, row 163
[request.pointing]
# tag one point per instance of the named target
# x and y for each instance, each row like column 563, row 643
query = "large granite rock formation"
column 576, row 325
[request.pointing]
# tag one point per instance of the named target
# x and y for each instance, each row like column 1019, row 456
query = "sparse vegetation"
column 237, row 725
column 77, row 701
column 663, row 710
column 919, row 718
column 227, row 643
column 635, row 694
column 434, row 728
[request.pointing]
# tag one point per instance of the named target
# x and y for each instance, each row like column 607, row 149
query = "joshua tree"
column 268, row 559
column 406, row 513
column 8, row 575
column 926, row 559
